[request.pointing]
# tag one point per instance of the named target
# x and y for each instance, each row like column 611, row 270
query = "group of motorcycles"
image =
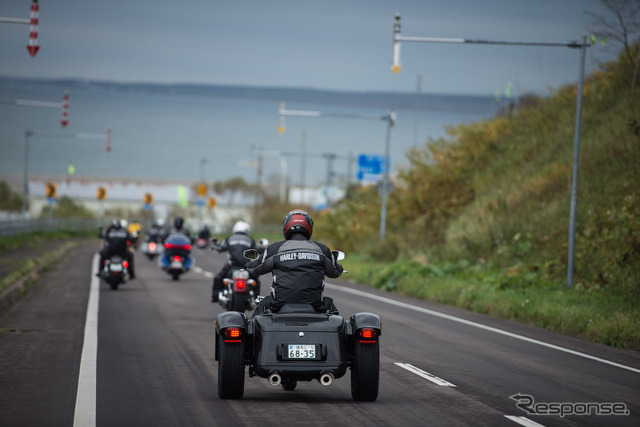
column 295, row 344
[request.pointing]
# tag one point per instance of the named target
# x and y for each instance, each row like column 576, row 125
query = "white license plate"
column 301, row 351
column 176, row 264
column 116, row 267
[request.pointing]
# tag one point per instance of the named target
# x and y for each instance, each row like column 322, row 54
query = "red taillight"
column 232, row 335
column 152, row 246
column 368, row 335
column 176, row 258
column 126, row 264
column 177, row 246
column 241, row 284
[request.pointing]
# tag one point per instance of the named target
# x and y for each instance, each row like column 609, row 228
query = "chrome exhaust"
column 326, row 379
column 275, row 379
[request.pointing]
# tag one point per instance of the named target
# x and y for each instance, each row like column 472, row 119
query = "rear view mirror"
column 251, row 253
column 338, row 255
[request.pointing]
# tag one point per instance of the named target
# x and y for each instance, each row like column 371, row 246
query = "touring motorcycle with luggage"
column 176, row 259
column 298, row 344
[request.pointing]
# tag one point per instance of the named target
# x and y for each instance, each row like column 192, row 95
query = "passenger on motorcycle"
column 298, row 265
column 235, row 244
column 117, row 240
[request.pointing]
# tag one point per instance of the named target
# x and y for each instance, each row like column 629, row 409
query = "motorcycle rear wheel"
column 365, row 372
column 230, row 370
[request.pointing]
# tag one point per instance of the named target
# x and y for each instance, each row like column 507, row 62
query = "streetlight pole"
column 390, row 118
column 395, row 66
column 25, row 182
column 50, row 134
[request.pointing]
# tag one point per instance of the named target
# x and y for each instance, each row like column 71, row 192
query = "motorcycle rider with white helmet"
column 235, row 245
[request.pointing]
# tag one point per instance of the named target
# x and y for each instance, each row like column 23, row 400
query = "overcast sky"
column 326, row 44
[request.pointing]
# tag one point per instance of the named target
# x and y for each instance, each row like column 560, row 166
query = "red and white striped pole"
column 65, row 109
column 33, row 47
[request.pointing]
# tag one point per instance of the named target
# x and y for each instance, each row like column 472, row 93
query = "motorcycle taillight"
column 368, row 335
column 233, row 335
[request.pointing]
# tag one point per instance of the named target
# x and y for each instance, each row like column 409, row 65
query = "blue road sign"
column 370, row 167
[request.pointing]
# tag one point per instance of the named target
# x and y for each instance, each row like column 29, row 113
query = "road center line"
column 425, row 375
column 85, row 412
column 477, row 325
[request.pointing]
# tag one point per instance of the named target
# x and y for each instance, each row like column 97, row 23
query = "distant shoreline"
column 402, row 101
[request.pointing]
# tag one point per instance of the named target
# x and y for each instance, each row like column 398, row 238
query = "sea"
column 192, row 133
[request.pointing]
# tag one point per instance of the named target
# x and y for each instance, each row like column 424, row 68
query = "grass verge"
column 593, row 314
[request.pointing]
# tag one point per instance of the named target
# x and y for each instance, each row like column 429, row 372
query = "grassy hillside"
column 480, row 219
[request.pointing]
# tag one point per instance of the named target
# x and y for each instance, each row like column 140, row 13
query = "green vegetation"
column 480, row 219
column 9, row 200
column 65, row 207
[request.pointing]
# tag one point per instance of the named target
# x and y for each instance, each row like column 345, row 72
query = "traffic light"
column 101, row 194
column 212, row 202
column 148, row 198
column 52, row 190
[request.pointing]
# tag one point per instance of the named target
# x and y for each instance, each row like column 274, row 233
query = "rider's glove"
column 339, row 267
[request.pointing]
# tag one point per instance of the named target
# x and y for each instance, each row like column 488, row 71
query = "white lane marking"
column 479, row 325
column 85, row 412
column 197, row 270
column 208, row 274
column 425, row 375
column 523, row 421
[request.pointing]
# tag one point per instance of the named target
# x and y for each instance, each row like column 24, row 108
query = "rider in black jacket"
column 235, row 244
column 117, row 240
column 299, row 266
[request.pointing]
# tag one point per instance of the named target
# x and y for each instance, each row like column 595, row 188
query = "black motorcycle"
column 239, row 292
column 115, row 271
column 298, row 344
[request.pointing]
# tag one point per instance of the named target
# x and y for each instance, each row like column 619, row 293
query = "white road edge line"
column 478, row 325
column 523, row 421
column 85, row 412
column 425, row 375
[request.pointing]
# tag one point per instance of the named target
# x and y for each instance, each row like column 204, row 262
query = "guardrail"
column 30, row 225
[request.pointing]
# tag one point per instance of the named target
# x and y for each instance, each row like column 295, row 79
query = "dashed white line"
column 425, row 375
column 523, row 421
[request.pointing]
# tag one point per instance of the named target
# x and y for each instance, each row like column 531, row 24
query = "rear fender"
column 229, row 319
column 366, row 320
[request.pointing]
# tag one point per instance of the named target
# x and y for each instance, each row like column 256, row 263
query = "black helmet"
column 297, row 221
column 178, row 222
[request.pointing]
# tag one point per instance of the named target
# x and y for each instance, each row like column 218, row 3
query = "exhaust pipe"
column 326, row 379
column 275, row 379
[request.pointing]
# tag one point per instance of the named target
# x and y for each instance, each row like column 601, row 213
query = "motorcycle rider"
column 117, row 240
column 235, row 245
column 178, row 227
column 298, row 266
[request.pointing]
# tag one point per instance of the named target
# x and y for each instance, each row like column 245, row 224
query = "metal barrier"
column 31, row 225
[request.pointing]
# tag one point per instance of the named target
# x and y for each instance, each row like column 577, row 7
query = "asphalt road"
column 155, row 365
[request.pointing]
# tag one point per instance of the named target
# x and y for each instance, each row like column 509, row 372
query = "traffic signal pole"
column 396, row 65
